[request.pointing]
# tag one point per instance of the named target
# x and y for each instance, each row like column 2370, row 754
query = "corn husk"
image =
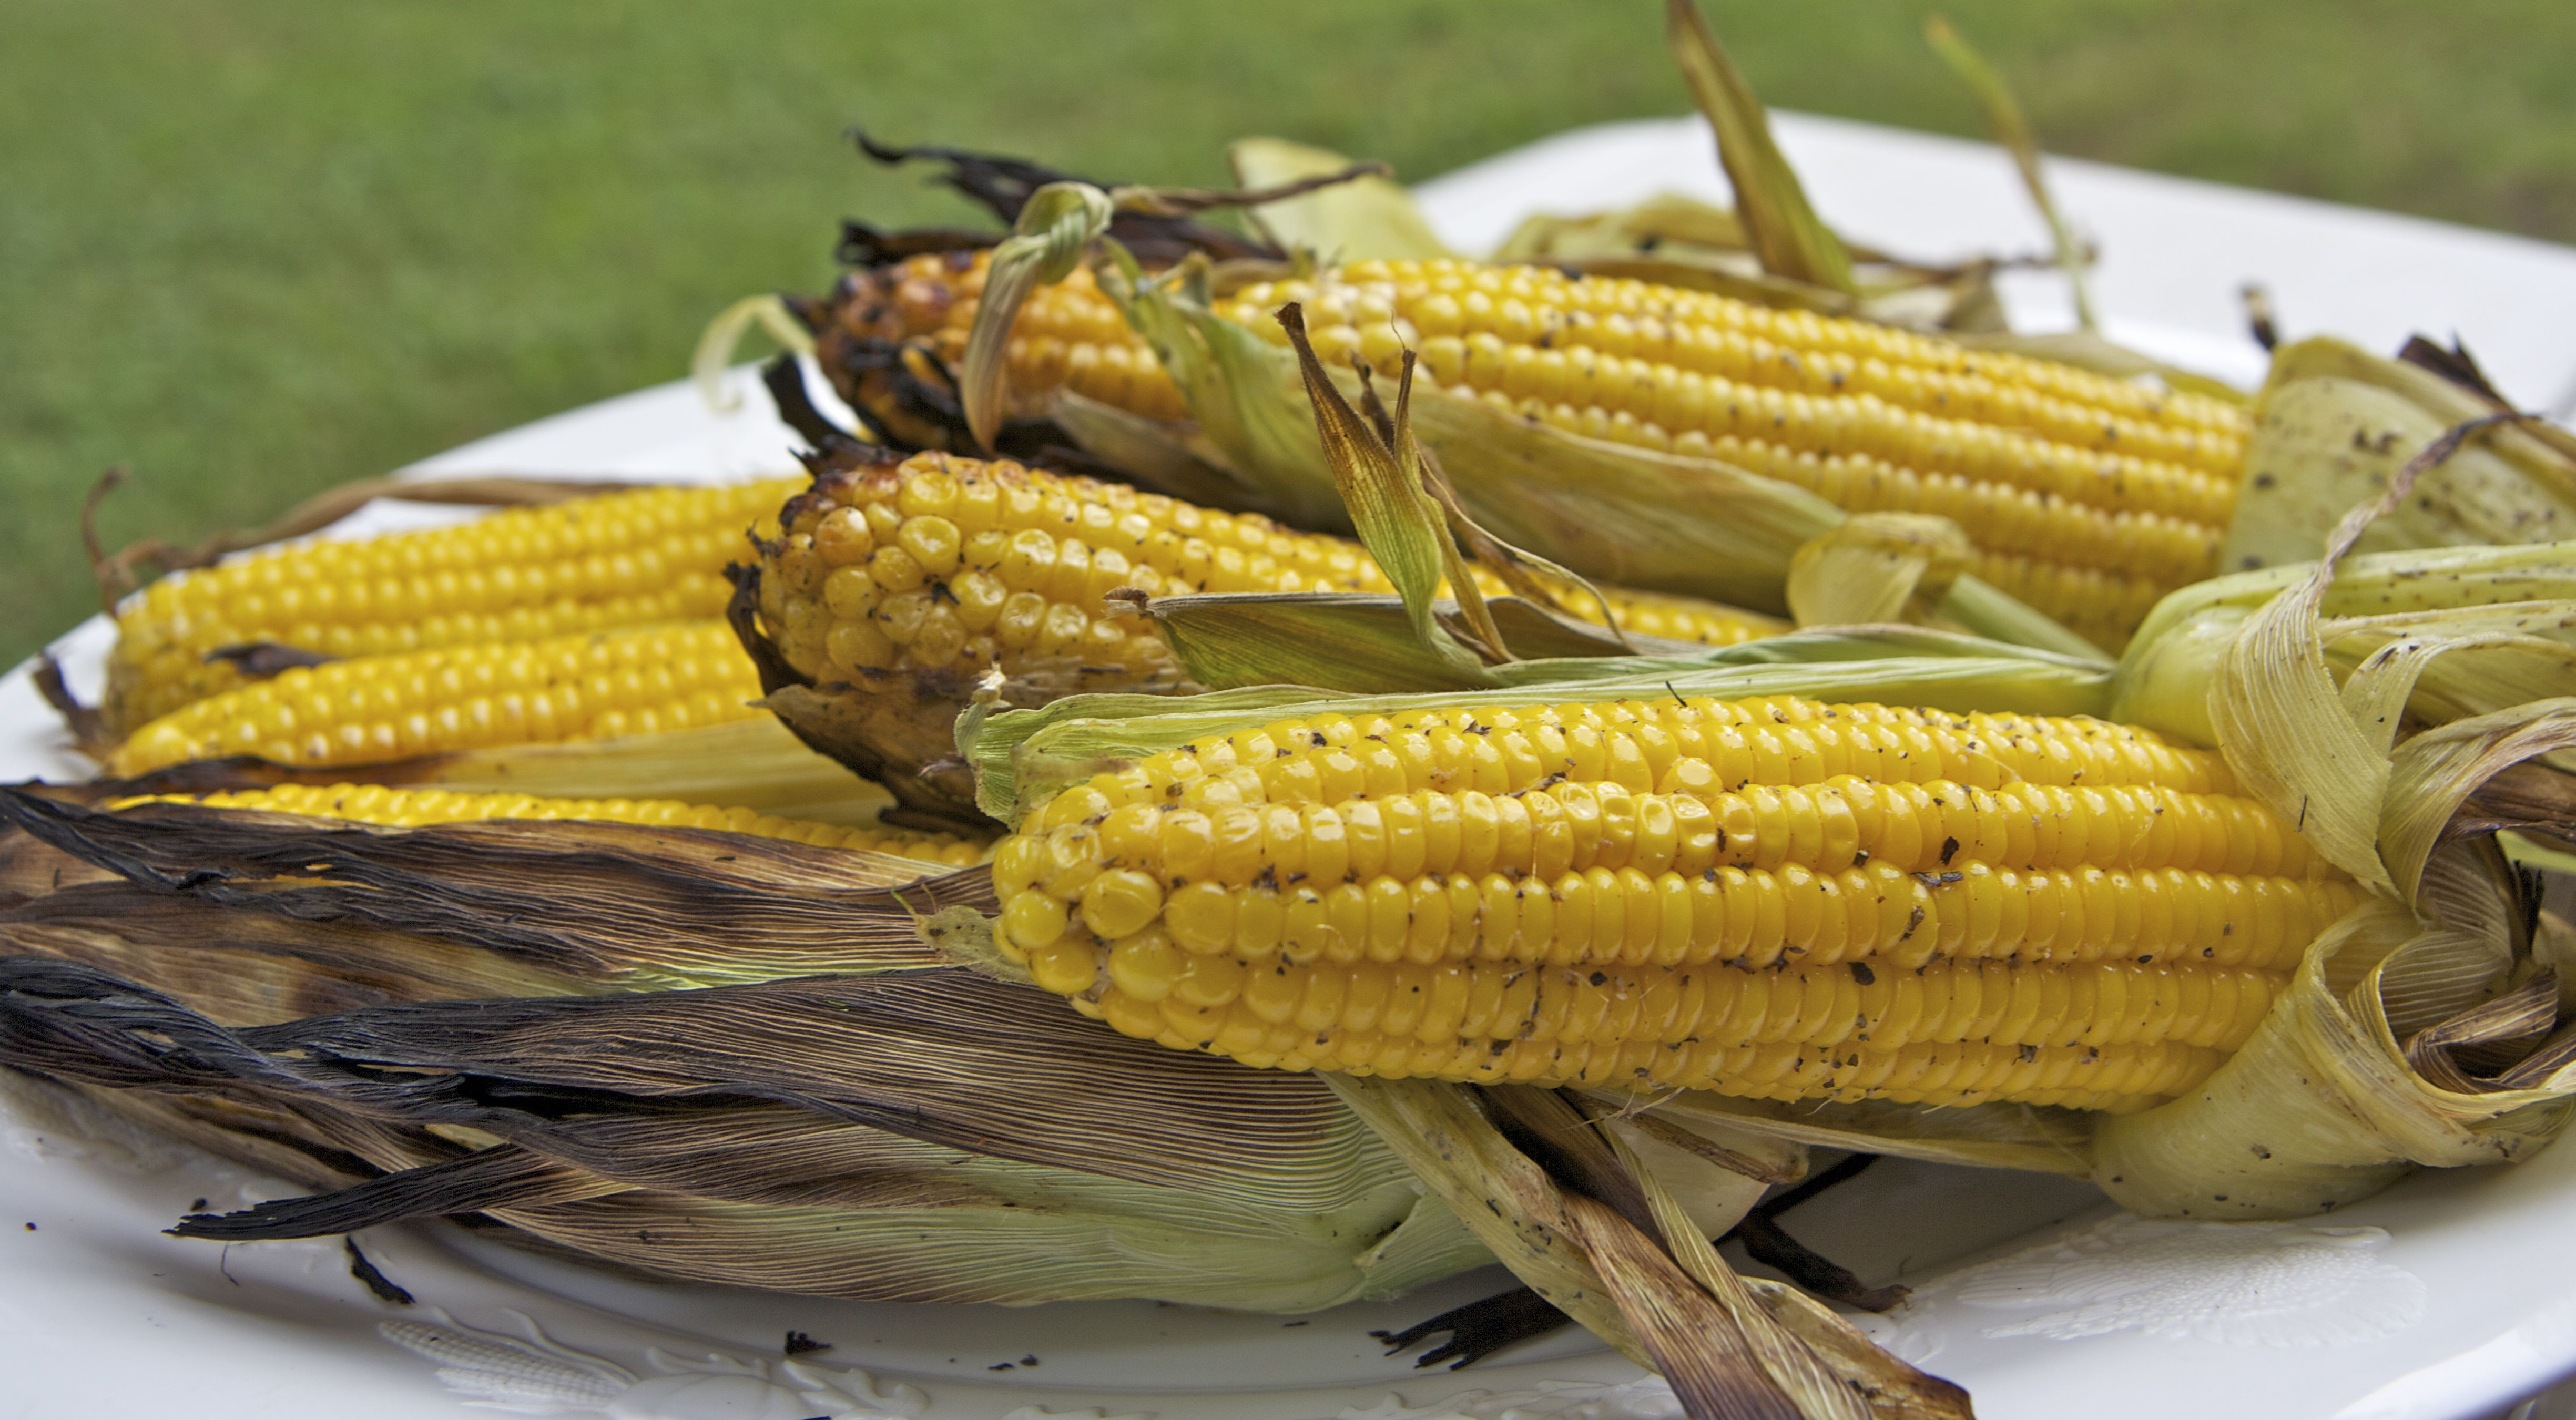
column 1603, row 1237
column 2334, row 424
column 755, row 763
column 2004, row 119
column 698, row 1054
column 1366, row 218
column 1781, row 225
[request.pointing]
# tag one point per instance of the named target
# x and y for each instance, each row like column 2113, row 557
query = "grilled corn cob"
column 944, row 561
column 412, row 808
column 619, row 559
column 2085, row 495
column 372, row 709
column 1775, row 898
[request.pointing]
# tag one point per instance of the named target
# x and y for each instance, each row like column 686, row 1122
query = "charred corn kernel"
column 2088, row 495
column 1776, row 897
column 1021, row 563
column 373, row 709
column 412, row 808
column 620, row 559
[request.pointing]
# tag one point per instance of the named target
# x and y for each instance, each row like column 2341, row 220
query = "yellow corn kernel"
column 1021, row 564
column 2103, row 489
column 619, row 559
column 374, row 709
column 1777, row 897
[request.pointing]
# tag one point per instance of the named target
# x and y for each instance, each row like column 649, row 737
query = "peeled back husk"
column 2334, row 423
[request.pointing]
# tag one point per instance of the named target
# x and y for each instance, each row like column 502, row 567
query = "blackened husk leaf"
column 1003, row 185
column 946, row 1057
column 596, row 901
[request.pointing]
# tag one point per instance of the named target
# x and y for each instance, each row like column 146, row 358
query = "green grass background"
column 252, row 248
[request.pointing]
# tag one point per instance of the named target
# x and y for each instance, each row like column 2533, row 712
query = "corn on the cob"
column 2086, row 495
column 1775, row 898
column 944, row 561
column 413, row 808
column 372, row 709
column 619, row 559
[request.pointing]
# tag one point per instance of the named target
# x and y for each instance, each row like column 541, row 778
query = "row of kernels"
column 1736, row 916
column 1938, row 824
column 2103, row 607
column 177, row 675
column 1699, row 746
column 2116, row 1078
column 1673, row 618
column 1994, row 1003
column 532, row 554
column 1629, row 315
column 356, row 711
column 1442, row 327
column 1681, row 753
column 1573, row 388
column 2004, row 517
column 1806, row 1015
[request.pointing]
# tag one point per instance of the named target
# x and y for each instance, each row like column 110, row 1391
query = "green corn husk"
column 751, row 1057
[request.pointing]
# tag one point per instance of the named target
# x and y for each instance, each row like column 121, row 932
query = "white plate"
column 2439, row 1300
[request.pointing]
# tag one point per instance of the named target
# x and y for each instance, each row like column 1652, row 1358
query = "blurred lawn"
column 250, row 249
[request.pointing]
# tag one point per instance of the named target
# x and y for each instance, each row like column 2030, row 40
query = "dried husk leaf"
column 617, row 906
column 2290, row 733
column 1824, row 1363
column 802, row 1130
column 2334, row 424
column 1781, row 226
column 1575, row 1251
column 1020, row 757
column 2003, row 1136
column 1055, row 226
column 1355, row 642
column 1877, row 567
column 1380, row 481
column 2004, row 119
column 1363, row 219
column 1681, row 241
column 798, row 1193
column 723, row 335
column 2322, row 1106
